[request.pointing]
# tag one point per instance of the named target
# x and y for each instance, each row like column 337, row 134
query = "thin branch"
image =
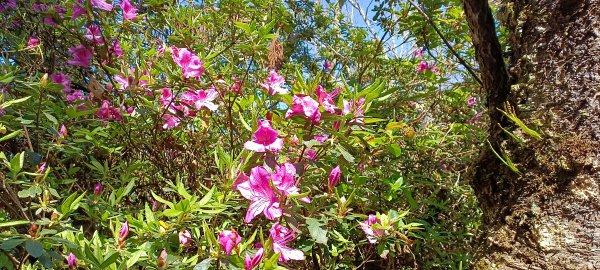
column 460, row 59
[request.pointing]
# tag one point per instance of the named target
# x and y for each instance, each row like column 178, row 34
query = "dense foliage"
column 235, row 134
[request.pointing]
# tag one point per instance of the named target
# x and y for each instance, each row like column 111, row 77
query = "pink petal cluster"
column 81, row 56
column 78, row 10
column 326, row 99
column 334, row 177
column 115, row 48
column 274, row 84
column 422, row 66
column 94, row 33
column 98, row 189
column 264, row 138
column 72, row 261
column 125, row 82
column 418, row 53
column 124, row 231
column 75, row 96
column 284, row 180
column 263, row 199
column 187, row 104
column 372, row 233
column 304, row 105
column 102, row 4
column 108, row 112
column 472, row 101
column 251, row 262
column 62, row 79
column 9, row 4
column 128, row 10
column 185, row 237
column 188, row 61
column 62, row 131
column 33, row 42
column 229, row 240
column 357, row 108
column 281, row 236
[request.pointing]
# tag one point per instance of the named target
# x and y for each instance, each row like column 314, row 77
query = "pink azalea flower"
column 166, row 97
column 320, row 138
column 62, row 79
column 305, row 105
column 281, row 236
column 49, row 21
column 274, row 84
column 39, row 7
column 334, row 177
column 102, row 4
column 115, row 48
column 418, row 53
column 229, row 240
column 75, row 95
column 185, row 237
column 10, row 4
column 327, row 66
column 372, row 234
column 81, row 56
column 170, row 121
column 472, row 101
column 63, row 131
column 251, row 262
column 326, row 99
column 78, row 10
column 311, row 154
column 33, row 42
column 128, row 10
column 200, row 98
column 60, row 10
column 124, row 231
column 107, row 112
column 265, row 138
column 72, row 261
column 357, row 108
column 94, row 34
column 284, row 180
column 41, row 169
column 98, row 189
column 422, row 66
column 189, row 62
column 258, row 190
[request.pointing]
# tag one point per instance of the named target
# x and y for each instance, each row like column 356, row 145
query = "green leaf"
column 13, row 223
column 34, row 248
column 316, row 232
column 394, row 149
column 134, row 258
column 172, row 212
column 158, row 198
column 207, row 197
column 11, row 243
column 149, row 215
column 110, row 260
column 203, row 265
column 345, row 153
column 11, row 135
column 11, row 102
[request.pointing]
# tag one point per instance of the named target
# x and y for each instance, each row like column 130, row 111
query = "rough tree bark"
column 547, row 217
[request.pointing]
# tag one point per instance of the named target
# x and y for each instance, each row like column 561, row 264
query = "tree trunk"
column 548, row 215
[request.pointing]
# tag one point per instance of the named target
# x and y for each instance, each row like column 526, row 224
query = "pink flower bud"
column 98, row 189
column 334, row 177
column 229, row 240
column 63, row 131
column 124, row 231
column 72, row 261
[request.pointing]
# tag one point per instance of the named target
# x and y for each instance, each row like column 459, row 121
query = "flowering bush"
column 149, row 135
